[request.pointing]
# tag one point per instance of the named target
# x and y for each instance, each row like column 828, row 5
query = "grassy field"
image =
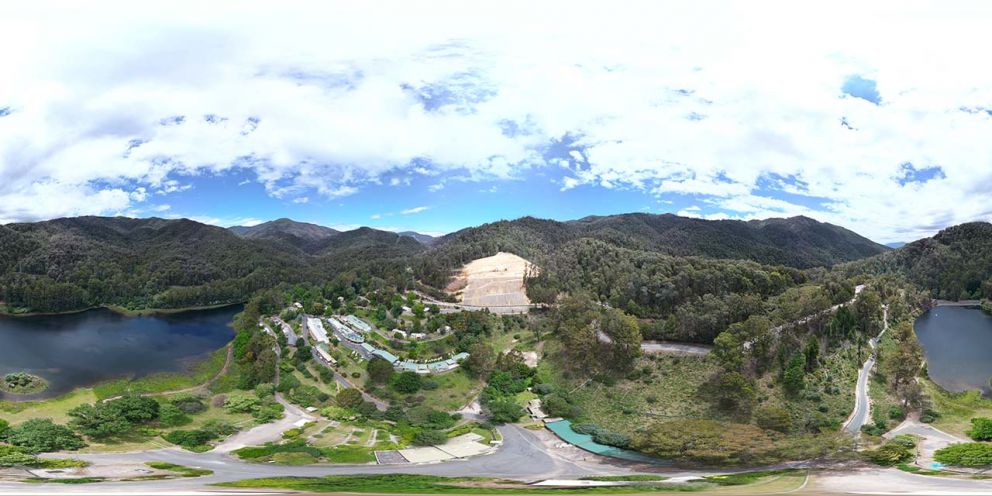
column 956, row 409
column 16, row 412
column 155, row 383
column 668, row 392
column 758, row 483
column 455, row 390
column 828, row 397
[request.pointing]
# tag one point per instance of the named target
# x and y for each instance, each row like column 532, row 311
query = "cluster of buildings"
column 350, row 331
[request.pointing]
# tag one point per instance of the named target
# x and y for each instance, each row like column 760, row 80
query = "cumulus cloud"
column 104, row 105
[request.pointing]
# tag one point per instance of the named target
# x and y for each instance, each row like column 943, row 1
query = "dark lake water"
column 86, row 348
column 957, row 342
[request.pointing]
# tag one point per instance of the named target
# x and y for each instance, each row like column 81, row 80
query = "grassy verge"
column 172, row 381
column 426, row 484
column 626, row 478
column 56, row 409
column 956, row 409
column 182, row 470
column 913, row 469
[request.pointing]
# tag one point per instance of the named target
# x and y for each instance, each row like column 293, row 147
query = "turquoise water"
column 563, row 429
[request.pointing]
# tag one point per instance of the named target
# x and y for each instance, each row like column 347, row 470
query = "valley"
column 380, row 354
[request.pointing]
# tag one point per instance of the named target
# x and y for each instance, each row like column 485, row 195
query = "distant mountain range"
column 797, row 241
column 78, row 262
column 896, row 244
column 306, row 237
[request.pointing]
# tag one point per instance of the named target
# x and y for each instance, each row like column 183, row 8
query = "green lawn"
column 55, row 409
column 455, row 390
column 155, row 383
column 668, row 392
column 956, row 409
column 765, row 482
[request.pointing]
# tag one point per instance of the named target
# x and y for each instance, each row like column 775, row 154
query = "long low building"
column 344, row 332
column 316, row 330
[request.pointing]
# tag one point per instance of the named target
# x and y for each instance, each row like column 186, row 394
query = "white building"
column 316, row 330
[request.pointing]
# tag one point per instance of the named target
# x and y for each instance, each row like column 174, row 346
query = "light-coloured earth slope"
column 496, row 281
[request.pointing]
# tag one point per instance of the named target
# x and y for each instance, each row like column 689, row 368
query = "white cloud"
column 301, row 200
column 162, row 208
column 96, row 97
column 375, row 216
column 220, row 221
column 414, row 210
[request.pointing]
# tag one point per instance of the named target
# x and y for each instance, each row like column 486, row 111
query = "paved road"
column 674, row 348
column 862, row 403
column 522, row 456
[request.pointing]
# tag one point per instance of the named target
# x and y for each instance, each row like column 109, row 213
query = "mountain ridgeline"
column 955, row 264
column 798, row 242
column 651, row 265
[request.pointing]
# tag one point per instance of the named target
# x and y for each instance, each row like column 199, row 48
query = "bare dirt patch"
column 496, row 281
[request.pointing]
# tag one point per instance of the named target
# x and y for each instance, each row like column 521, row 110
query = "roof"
column 368, row 348
column 325, row 353
column 358, row 323
column 385, row 355
column 460, row 356
column 345, row 332
column 317, row 329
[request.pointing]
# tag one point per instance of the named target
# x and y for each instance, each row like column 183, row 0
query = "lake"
column 957, row 342
column 83, row 349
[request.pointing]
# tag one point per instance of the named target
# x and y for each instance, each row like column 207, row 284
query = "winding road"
column 862, row 403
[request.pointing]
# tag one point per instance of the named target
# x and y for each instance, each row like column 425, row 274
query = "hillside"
column 798, row 242
column 75, row 263
column 954, row 264
column 300, row 235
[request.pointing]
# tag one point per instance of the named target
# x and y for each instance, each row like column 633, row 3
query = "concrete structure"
column 397, row 331
column 417, row 335
column 534, row 409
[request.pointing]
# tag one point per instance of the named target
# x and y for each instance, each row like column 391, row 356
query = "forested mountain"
column 75, row 263
column 423, row 238
column 637, row 262
column 798, row 242
column 301, row 235
column 954, row 264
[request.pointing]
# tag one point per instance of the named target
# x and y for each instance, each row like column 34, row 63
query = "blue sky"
column 407, row 116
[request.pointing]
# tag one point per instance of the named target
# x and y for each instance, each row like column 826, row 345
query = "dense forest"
column 797, row 242
column 75, row 263
column 639, row 263
column 954, row 264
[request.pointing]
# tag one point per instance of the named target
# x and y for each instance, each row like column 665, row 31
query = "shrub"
column 171, row 416
column 43, row 435
column 430, row 437
column 189, row 439
column 981, row 429
column 896, row 412
column 965, row 455
column 773, row 418
column 900, row 449
column 349, row 398
column 407, row 382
